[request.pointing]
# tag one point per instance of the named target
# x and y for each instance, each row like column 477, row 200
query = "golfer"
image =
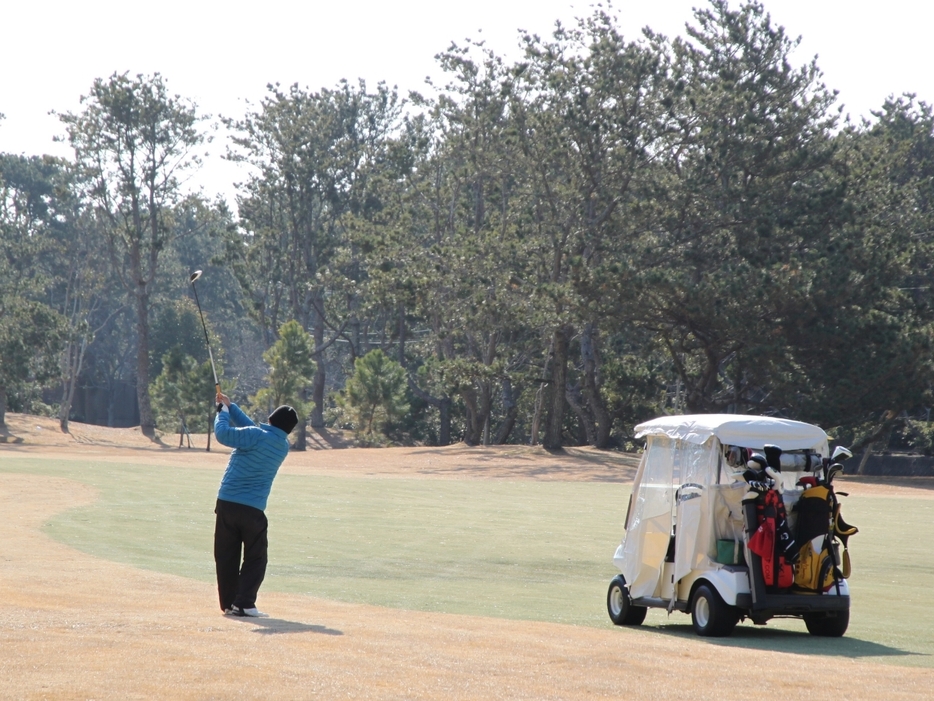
column 241, row 524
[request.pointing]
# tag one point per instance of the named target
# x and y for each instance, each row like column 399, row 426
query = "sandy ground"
column 74, row 626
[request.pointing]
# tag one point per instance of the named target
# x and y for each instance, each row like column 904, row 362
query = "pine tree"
column 374, row 396
column 292, row 371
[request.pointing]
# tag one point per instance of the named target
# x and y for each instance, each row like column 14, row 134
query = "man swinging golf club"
column 241, row 524
column 241, row 501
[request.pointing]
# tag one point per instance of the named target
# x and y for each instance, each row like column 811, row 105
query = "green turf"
column 532, row 550
column 522, row 550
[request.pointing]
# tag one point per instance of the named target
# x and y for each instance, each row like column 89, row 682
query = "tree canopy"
column 544, row 250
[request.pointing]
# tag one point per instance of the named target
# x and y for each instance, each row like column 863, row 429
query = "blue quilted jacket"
column 258, row 453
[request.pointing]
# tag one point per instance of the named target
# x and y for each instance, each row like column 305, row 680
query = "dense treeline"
column 543, row 251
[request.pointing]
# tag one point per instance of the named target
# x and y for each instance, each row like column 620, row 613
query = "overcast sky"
column 221, row 53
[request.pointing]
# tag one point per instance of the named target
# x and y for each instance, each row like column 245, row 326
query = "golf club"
column 194, row 276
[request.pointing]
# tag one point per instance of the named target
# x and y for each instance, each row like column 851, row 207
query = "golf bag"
column 773, row 542
column 818, row 526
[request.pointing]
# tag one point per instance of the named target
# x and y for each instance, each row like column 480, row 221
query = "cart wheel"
column 711, row 616
column 619, row 605
column 827, row 625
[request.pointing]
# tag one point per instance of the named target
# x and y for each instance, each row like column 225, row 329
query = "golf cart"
column 734, row 517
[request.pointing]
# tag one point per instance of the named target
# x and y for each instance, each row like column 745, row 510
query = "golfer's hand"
column 223, row 399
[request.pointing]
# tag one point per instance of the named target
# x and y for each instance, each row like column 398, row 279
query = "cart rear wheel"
column 711, row 616
column 619, row 604
column 827, row 625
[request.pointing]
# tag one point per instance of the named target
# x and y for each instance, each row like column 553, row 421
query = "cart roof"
column 737, row 429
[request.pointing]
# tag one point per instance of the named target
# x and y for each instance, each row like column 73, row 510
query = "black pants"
column 237, row 527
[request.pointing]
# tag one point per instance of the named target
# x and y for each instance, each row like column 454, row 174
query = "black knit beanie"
column 284, row 417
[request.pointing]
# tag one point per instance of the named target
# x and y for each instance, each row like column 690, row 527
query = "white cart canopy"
column 737, row 429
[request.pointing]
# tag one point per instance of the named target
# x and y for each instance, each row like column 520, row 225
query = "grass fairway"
column 535, row 550
column 523, row 550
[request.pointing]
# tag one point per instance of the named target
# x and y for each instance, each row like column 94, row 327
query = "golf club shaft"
column 217, row 385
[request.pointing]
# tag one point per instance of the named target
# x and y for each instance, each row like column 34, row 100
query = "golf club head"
column 833, row 471
column 194, row 276
column 840, row 454
column 773, row 456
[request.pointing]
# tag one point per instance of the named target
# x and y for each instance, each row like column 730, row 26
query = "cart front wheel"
column 619, row 605
column 711, row 616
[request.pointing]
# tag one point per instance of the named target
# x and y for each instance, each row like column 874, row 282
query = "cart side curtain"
column 646, row 540
column 698, row 468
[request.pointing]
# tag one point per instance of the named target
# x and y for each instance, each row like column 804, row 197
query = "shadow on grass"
column 513, row 461
column 524, row 472
column 323, row 439
column 777, row 640
column 276, row 626
column 6, row 436
column 493, row 453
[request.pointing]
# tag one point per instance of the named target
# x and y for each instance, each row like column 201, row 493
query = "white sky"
column 220, row 53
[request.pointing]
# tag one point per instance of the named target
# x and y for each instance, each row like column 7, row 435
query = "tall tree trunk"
column 541, row 393
column 602, row 421
column 444, row 429
column 354, row 325
column 486, row 410
column 474, row 417
column 68, row 384
column 74, row 361
column 147, row 424
column 402, row 335
column 111, row 402
column 444, row 411
column 511, row 407
column 317, row 411
column 301, row 439
column 537, row 413
column 587, row 433
column 556, row 396
column 2, row 407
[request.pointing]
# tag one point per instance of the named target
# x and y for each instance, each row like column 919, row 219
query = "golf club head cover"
column 773, row 457
column 753, row 476
column 756, row 461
